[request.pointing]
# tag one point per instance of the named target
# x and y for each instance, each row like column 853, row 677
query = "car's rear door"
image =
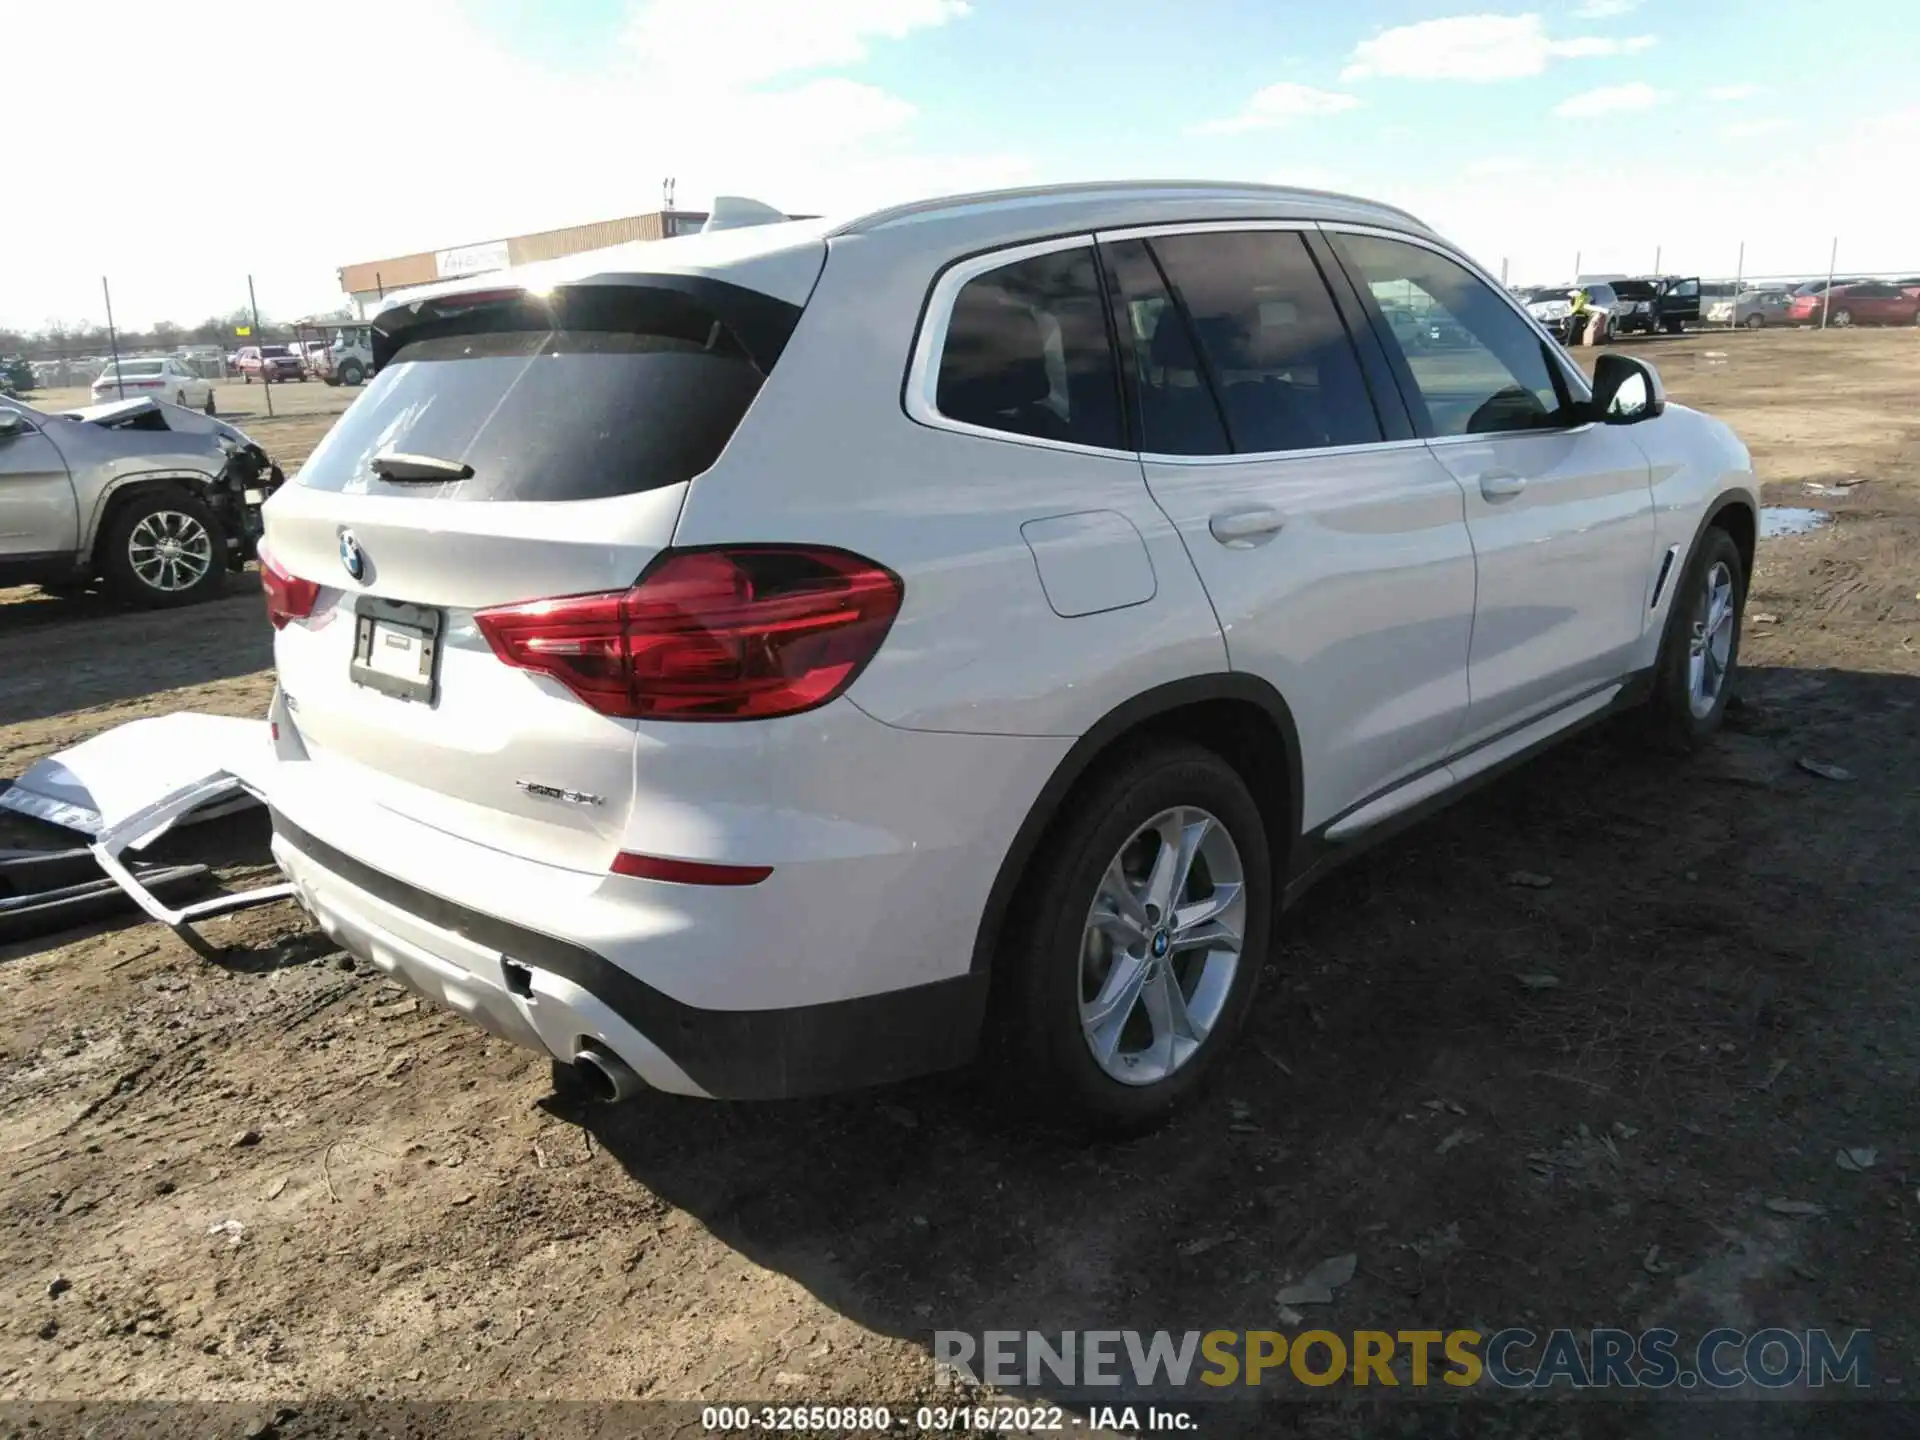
column 1332, row 543
column 581, row 419
column 1560, row 510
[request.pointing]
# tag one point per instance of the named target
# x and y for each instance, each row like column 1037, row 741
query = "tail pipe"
column 608, row 1078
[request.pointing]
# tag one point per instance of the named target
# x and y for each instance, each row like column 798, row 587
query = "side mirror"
column 12, row 423
column 1625, row 390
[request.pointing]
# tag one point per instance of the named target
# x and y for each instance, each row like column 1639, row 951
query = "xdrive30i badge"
column 554, row 792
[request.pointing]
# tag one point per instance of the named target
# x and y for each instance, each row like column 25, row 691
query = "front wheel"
column 1131, row 960
column 1756, row 322
column 1700, row 651
column 1672, row 327
column 1843, row 318
column 351, row 374
column 209, row 407
column 164, row 548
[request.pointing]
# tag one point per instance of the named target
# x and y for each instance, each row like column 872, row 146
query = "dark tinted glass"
column 1282, row 362
column 556, row 414
column 1481, row 368
column 1178, row 414
column 1027, row 353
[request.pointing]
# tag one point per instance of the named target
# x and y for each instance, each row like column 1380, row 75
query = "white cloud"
column 1277, row 105
column 1749, row 129
column 727, row 44
column 1725, row 93
column 729, row 96
column 1476, row 47
column 1609, row 100
column 1605, row 9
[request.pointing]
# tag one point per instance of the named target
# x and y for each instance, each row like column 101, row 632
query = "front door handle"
column 1244, row 529
column 1499, row 484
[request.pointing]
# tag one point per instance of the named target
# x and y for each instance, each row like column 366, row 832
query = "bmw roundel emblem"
column 1160, row 945
column 352, row 557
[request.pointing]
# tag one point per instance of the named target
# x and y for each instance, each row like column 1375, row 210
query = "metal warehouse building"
column 367, row 282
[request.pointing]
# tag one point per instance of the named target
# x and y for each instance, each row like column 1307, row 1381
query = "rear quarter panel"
column 828, row 455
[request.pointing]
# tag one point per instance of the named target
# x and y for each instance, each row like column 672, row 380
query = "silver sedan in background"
column 1754, row 309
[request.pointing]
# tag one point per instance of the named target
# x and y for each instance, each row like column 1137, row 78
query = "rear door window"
column 1278, row 355
column 577, row 399
column 1027, row 353
column 1177, row 412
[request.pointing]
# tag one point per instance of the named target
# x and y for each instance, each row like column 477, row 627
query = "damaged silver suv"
column 156, row 501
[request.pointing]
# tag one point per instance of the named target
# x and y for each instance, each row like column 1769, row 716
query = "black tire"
column 1672, row 327
column 1671, row 716
column 180, row 398
column 209, row 406
column 1041, row 1056
column 116, row 563
column 351, row 374
column 1756, row 321
column 246, row 379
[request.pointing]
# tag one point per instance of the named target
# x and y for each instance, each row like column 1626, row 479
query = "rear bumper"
column 549, row 993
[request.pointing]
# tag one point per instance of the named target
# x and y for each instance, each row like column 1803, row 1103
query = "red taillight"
column 288, row 596
column 687, row 872
column 741, row 633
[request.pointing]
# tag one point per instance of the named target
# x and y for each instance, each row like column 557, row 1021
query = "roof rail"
column 1095, row 189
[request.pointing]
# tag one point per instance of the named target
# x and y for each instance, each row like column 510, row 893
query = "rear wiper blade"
column 427, row 469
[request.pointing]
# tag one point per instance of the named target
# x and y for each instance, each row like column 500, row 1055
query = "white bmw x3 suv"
column 795, row 657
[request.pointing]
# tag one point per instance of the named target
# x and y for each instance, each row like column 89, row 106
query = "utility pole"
column 1739, row 271
column 1826, row 296
column 266, row 372
column 113, row 339
column 1656, row 259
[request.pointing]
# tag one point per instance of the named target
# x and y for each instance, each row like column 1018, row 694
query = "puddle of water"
column 1777, row 520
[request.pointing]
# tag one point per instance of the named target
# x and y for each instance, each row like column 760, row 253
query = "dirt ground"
column 273, row 1178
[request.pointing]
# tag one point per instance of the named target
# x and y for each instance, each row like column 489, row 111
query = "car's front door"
column 1560, row 510
column 38, row 517
column 1337, row 560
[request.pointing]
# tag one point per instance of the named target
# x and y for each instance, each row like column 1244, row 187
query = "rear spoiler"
column 674, row 304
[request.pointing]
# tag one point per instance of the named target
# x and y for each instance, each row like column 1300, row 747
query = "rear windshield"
column 1635, row 289
column 131, row 368
column 545, row 414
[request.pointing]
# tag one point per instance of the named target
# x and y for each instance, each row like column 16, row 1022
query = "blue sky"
column 1530, row 133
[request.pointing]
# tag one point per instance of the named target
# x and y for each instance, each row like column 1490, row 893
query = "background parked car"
column 1552, row 306
column 268, row 363
column 1754, row 309
column 1869, row 302
column 165, row 378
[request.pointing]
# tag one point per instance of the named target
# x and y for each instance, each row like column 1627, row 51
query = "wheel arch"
column 1239, row 716
column 1736, row 514
column 124, row 491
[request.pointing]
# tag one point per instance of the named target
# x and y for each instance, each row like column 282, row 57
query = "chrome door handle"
column 1244, row 529
column 1498, row 484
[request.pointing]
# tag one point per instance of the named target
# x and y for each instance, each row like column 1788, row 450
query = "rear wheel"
column 1131, row 961
column 1756, row 321
column 163, row 548
column 208, row 407
column 1843, row 318
column 1700, row 651
column 180, row 398
column 1672, row 327
column 351, row 373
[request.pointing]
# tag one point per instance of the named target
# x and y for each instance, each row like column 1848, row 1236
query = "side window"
column 1177, row 411
column 1687, row 290
column 1279, row 357
column 1491, row 372
column 1027, row 353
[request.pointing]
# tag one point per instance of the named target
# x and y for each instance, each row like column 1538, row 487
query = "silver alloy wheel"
column 1843, row 318
column 1162, row 946
column 170, row 551
column 1710, row 648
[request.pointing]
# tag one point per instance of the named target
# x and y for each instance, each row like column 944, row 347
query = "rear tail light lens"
column 740, row 633
column 288, row 596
